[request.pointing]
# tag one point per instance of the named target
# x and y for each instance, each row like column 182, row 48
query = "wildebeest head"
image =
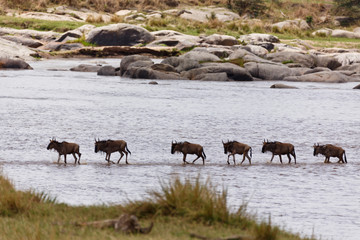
column 176, row 147
column 99, row 145
column 227, row 146
column 318, row 149
column 53, row 144
column 267, row 146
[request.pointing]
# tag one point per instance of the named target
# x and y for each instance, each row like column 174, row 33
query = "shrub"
column 252, row 7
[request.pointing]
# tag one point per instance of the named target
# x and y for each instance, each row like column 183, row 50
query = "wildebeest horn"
column 222, row 141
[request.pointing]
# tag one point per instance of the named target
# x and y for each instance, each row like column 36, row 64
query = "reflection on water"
column 309, row 197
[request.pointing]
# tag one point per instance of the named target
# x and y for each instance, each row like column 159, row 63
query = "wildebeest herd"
column 230, row 147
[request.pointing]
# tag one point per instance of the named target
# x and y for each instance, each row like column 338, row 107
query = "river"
column 310, row 198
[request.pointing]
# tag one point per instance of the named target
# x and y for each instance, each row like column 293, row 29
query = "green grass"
column 36, row 24
column 177, row 210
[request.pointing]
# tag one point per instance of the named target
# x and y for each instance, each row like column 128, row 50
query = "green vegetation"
column 36, row 24
column 178, row 209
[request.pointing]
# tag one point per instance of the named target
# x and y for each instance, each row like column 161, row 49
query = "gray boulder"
column 149, row 73
column 280, row 85
column 304, row 60
column 233, row 72
column 126, row 61
column 6, row 63
column 119, row 35
column 29, row 42
column 86, row 68
column 221, row 77
column 292, row 24
column 174, row 39
column 344, row 34
column 348, row 58
column 200, row 56
column 255, row 38
column 56, row 46
column 326, row 62
column 217, row 39
column 357, row 87
column 248, row 57
column 317, row 69
column 257, row 50
column 353, row 67
column 325, row 77
column 221, row 52
column 107, row 71
column 181, row 64
column 266, row 71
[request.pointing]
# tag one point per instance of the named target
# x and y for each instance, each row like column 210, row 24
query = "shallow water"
column 310, row 197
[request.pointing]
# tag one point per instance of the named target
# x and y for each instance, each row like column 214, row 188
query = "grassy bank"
column 177, row 210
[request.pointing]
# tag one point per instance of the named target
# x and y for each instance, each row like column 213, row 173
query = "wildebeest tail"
column 250, row 152
column 345, row 157
column 127, row 149
column 203, row 153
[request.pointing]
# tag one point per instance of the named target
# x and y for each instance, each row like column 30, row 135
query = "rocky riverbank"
column 215, row 57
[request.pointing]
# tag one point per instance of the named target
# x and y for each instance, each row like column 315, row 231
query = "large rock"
column 13, row 50
column 326, row 62
column 257, row 50
column 248, row 57
column 353, row 67
column 181, row 64
column 76, row 33
column 86, row 68
column 205, row 13
column 126, row 61
column 107, row 71
column 280, row 85
column 38, row 35
column 174, row 39
column 29, row 42
column 357, row 87
column 233, row 72
column 266, row 71
column 255, row 38
column 348, row 58
column 344, row 34
column 56, row 46
column 217, row 39
column 221, row 52
column 304, row 60
column 292, row 24
column 119, row 35
column 324, row 32
column 6, row 63
column 326, row 77
column 200, row 56
column 149, row 73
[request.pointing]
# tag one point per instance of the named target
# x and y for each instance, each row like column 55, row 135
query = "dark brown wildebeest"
column 329, row 150
column 235, row 147
column 279, row 148
column 110, row 146
column 64, row 148
column 188, row 148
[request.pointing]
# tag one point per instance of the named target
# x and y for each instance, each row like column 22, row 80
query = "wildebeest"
column 279, row 148
column 64, row 148
column 110, row 146
column 329, row 150
column 235, row 147
column 188, row 148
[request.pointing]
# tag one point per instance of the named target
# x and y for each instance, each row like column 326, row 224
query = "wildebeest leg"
column 234, row 158
column 59, row 157
column 65, row 158
column 184, row 158
column 126, row 155
column 74, row 157
column 247, row 156
column 272, row 157
column 196, row 159
column 79, row 154
column 289, row 157
column 280, row 158
column 228, row 159
column 120, row 156
column 243, row 159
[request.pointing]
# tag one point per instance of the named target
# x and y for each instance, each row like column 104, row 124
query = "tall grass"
column 191, row 199
column 14, row 202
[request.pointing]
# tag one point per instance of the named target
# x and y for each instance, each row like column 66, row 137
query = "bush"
column 349, row 8
column 252, row 7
